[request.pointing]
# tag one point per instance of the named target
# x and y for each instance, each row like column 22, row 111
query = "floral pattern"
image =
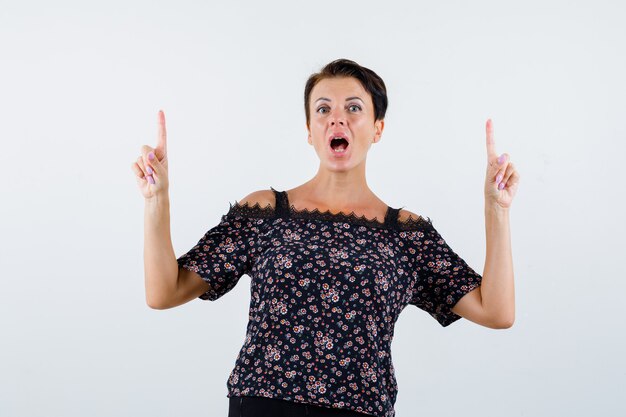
column 326, row 291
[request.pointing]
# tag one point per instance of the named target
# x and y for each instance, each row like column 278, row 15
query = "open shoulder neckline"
column 270, row 211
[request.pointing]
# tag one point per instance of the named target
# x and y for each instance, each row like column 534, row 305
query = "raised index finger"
column 491, row 144
column 162, row 135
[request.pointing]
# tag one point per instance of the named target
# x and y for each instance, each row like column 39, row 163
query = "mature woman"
column 331, row 264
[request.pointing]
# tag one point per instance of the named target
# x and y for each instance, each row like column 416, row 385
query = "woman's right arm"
column 166, row 286
column 159, row 260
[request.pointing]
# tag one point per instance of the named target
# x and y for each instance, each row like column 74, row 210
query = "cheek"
column 361, row 127
column 317, row 129
column 359, row 119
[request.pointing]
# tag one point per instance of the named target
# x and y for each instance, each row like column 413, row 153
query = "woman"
column 331, row 265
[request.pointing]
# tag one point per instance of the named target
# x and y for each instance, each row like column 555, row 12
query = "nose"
column 337, row 118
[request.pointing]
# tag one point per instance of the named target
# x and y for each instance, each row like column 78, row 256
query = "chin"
column 341, row 166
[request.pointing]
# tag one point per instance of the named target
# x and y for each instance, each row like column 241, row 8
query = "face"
column 341, row 107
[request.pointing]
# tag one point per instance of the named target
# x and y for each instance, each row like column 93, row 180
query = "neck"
column 340, row 188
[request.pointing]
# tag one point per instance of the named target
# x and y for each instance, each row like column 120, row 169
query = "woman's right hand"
column 152, row 175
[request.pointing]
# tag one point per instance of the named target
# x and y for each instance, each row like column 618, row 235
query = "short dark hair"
column 371, row 82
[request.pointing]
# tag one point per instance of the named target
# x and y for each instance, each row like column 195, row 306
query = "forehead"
column 337, row 88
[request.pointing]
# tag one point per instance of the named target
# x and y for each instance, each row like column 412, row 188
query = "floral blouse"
column 326, row 290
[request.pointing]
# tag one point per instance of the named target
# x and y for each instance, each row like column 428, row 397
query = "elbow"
column 505, row 323
column 153, row 305
column 156, row 304
column 500, row 319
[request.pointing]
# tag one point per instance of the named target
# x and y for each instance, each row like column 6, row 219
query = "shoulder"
column 407, row 220
column 406, row 215
column 258, row 205
column 261, row 197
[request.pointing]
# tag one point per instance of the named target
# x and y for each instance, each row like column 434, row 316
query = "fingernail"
column 498, row 178
column 151, row 156
column 150, row 179
column 149, row 170
column 501, row 159
column 500, row 186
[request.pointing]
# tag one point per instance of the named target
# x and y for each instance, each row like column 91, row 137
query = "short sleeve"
column 225, row 253
column 442, row 276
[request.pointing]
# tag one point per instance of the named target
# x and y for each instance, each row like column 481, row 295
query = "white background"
column 80, row 87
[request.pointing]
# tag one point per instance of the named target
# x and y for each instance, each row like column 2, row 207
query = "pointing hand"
column 152, row 174
column 502, row 177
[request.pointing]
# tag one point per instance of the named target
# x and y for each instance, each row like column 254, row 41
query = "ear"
column 308, row 139
column 379, row 125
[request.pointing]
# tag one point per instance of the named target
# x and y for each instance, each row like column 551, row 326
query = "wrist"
column 496, row 210
column 158, row 201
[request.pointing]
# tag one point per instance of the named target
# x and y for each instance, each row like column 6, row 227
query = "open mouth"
column 339, row 145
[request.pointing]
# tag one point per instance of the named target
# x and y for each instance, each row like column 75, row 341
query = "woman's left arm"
column 493, row 304
column 497, row 289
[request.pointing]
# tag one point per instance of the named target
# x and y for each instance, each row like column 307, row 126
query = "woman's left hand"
column 502, row 177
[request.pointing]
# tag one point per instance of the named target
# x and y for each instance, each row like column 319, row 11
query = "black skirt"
column 251, row 406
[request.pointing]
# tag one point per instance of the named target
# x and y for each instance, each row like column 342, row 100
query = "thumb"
column 155, row 163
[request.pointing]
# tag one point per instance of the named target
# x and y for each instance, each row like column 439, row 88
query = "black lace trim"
column 255, row 210
column 335, row 217
column 269, row 211
column 413, row 223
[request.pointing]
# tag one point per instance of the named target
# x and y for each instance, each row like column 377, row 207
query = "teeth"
column 342, row 147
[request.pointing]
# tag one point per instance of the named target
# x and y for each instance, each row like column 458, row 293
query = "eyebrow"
column 348, row 99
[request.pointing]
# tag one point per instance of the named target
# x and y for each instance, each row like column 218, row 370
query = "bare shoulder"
column 261, row 197
column 406, row 215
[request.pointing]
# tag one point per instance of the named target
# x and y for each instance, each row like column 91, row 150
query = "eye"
column 353, row 106
column 319, row 110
